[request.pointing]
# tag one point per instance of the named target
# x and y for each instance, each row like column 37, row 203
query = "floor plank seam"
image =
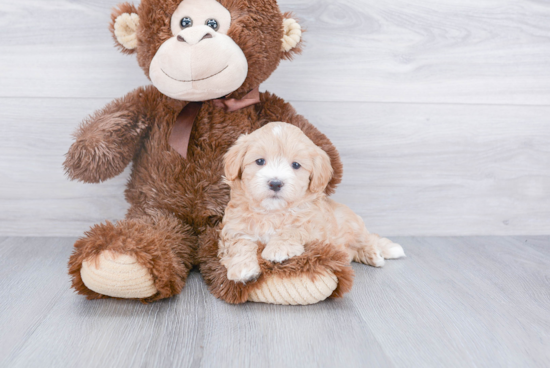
column 373, row 102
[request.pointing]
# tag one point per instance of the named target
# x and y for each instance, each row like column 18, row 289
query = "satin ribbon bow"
column 181, row 132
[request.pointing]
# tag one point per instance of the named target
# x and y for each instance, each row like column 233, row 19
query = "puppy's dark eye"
column 212, row 23
column 296, row 165
column 260, row 162
column 186, row 22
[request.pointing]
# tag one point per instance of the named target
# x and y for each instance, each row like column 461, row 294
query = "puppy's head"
column 277, row 165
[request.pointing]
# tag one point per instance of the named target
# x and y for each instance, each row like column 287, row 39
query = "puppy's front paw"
column 281, row 251
column 244, row 271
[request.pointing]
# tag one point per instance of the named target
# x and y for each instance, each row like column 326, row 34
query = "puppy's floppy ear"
column 124, row 25
column 233, row 159
column 321, row 173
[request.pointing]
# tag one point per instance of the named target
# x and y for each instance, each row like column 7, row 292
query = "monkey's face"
column 196, row 50
column 200, row 61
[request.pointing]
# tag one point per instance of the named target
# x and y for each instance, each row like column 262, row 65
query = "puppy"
column 278, row 177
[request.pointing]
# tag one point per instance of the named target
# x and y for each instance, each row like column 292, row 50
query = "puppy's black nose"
column 275, row 185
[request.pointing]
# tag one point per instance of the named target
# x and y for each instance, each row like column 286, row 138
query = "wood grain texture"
column 453, row 302
column 431, row 104
column 34, row 279
column 454, row 295
column 35, row 196
column 410, row 169
column 459, row 51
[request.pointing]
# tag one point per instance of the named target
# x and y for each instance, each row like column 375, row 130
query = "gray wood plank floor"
column 453, row 302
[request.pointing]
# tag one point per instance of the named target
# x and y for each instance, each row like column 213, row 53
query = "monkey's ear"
column 292, row 37
column 124, row 24
column 233, row 159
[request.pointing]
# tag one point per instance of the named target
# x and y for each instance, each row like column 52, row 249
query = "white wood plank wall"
column 440, row 109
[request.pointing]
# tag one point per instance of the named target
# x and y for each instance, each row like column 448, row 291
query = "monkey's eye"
column 260, row 162
column 296, row 165
column 212, row 23
column 186, row 22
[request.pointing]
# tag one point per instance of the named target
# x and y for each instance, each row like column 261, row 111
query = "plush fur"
column 160, row 242
column 176, row 203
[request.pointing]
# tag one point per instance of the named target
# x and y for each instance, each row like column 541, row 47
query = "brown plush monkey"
column 218, row 53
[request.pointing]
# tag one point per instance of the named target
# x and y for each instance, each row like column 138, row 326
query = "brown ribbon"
column 181, row 132
column 232, row 104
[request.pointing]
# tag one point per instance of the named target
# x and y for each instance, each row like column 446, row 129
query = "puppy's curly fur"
column 278, row 178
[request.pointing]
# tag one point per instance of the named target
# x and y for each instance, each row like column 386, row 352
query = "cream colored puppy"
column 277, row 177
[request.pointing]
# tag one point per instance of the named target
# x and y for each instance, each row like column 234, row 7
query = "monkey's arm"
column 273, row 108
column 106, row 141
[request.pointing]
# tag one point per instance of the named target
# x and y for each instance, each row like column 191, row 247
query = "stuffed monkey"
column 206, row 60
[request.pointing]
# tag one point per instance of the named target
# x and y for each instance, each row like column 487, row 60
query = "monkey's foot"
column 297, row 290
column 117, row 275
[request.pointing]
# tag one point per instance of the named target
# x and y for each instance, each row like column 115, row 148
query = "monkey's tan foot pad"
column 300, row 290
column 118, row 275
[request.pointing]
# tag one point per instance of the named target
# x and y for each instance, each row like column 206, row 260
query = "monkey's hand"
column 107, row 141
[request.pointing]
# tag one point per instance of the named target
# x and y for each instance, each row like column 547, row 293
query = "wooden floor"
column 453, row 302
